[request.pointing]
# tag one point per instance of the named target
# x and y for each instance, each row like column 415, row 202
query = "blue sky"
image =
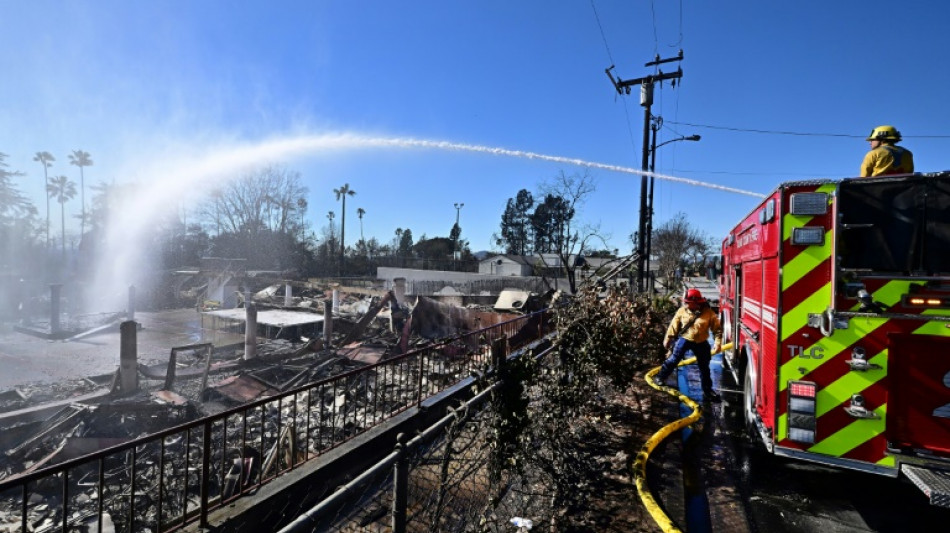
column 150, row 87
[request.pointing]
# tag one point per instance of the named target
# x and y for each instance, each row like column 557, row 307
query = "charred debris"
column 290, row 340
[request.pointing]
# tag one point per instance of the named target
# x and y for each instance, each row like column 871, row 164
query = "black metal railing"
column 166, row 480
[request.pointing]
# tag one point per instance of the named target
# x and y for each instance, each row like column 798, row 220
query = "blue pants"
column 701, row 350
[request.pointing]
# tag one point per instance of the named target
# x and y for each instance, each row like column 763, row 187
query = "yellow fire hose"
column 640, row 465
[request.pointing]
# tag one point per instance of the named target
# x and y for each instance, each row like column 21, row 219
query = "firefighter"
column 885, row 156
column 689, row 332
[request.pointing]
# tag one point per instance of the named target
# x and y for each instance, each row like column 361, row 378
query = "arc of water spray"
column 446, row 145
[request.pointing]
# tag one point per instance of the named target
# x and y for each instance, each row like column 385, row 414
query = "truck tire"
column 748, row 404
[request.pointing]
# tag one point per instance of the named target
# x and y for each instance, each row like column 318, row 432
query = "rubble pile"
column 157, row 483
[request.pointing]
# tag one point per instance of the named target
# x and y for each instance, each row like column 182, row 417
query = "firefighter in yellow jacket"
column 886, row 157
column 689, row 332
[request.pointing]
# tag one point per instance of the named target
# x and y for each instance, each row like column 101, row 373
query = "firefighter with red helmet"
column 689, row 332
column 885, row 156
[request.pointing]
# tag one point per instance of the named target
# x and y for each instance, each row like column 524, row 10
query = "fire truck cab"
column 836, row 297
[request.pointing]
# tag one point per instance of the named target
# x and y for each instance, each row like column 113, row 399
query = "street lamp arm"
column 686, row 138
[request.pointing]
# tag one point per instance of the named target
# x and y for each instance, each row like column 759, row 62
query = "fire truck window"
column 895, row 227
column 938, row 228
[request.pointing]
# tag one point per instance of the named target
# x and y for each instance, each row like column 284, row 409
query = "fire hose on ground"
column 640, row 465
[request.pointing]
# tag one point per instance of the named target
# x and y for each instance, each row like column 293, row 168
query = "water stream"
column 168, row 182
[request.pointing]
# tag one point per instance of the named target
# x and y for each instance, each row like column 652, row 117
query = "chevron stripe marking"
column 837, row 393
column 797, row 317
column 805, row 262
column 832, row 346
column 852, row 435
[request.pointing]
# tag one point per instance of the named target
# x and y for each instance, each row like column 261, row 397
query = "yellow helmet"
column 884, row 133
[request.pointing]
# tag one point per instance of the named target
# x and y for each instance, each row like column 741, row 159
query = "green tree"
column 46, row 159
column 61, row 188
column 81, row 159
column 360, row 212
column 341, row 195
column 515, row 236
column 405, row 243
column 13, row 204
column 434, row 248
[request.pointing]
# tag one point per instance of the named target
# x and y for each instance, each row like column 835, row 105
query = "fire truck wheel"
column 748, row 403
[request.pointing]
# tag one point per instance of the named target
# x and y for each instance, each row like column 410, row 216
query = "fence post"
column 400, row 485
column 206, row 473
column 499, row 356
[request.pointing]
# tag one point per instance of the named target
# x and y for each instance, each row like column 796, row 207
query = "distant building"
column 534, row 265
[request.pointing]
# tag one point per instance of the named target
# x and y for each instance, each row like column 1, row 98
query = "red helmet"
column 694, row 296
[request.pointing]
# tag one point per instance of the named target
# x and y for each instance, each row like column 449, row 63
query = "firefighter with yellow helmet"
column 886, row 157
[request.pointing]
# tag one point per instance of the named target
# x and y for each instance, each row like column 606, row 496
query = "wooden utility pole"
column 646, row 100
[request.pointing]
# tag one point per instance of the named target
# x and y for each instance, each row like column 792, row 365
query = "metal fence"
column 167, row 480
column 440, row 480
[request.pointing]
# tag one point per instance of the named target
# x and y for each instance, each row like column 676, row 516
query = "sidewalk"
column 692, row 471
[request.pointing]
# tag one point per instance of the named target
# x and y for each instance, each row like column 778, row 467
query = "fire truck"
column 835, row 295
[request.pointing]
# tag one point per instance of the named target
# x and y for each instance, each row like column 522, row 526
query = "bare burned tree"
column 554, row 223
column 263, row 199
column 678, row 244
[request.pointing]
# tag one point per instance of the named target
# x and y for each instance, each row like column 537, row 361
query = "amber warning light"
column 926, row 301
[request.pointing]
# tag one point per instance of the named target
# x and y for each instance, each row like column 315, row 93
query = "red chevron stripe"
column 807, row 285
column 870, row 451
column 836, row 419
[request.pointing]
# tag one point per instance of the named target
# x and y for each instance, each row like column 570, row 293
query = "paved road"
column 747, row 489
column 26, row 358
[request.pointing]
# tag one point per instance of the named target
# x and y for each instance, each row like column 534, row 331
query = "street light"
column 458, row 208
column 655, row 126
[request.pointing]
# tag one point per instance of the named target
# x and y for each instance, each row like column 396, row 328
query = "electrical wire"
column 799, row 133
column 626, row 111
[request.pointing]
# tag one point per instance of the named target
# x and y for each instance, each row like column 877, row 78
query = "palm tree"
column 81, row 159
column 360, row 212
column 63, row 190
column 46, row 159
column 301, row 209
column 341, row 194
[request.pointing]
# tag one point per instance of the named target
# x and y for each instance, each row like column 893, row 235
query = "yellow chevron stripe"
column 839, row 392
column 805, row 262
column 891, row 293
column 852, row 435
column 796, row 318
column 831, row 347
column 934, row 327
column 888, row 461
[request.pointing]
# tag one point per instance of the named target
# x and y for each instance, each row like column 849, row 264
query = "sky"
column 403, row 100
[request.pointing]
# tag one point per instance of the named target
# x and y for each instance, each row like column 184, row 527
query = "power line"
column 799, row 133
column 603, row 36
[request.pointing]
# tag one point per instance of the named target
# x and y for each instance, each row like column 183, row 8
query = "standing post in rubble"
column 288, row 295
column 399, row 287
column 54, row 311
column 131, row 302
column 250, row 332
column 128, row 357
column 327, row 322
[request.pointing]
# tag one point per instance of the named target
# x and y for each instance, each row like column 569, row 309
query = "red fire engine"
column 836, row 297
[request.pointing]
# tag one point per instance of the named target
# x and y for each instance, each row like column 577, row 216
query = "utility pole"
column 458, row 208
column 646, row 101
